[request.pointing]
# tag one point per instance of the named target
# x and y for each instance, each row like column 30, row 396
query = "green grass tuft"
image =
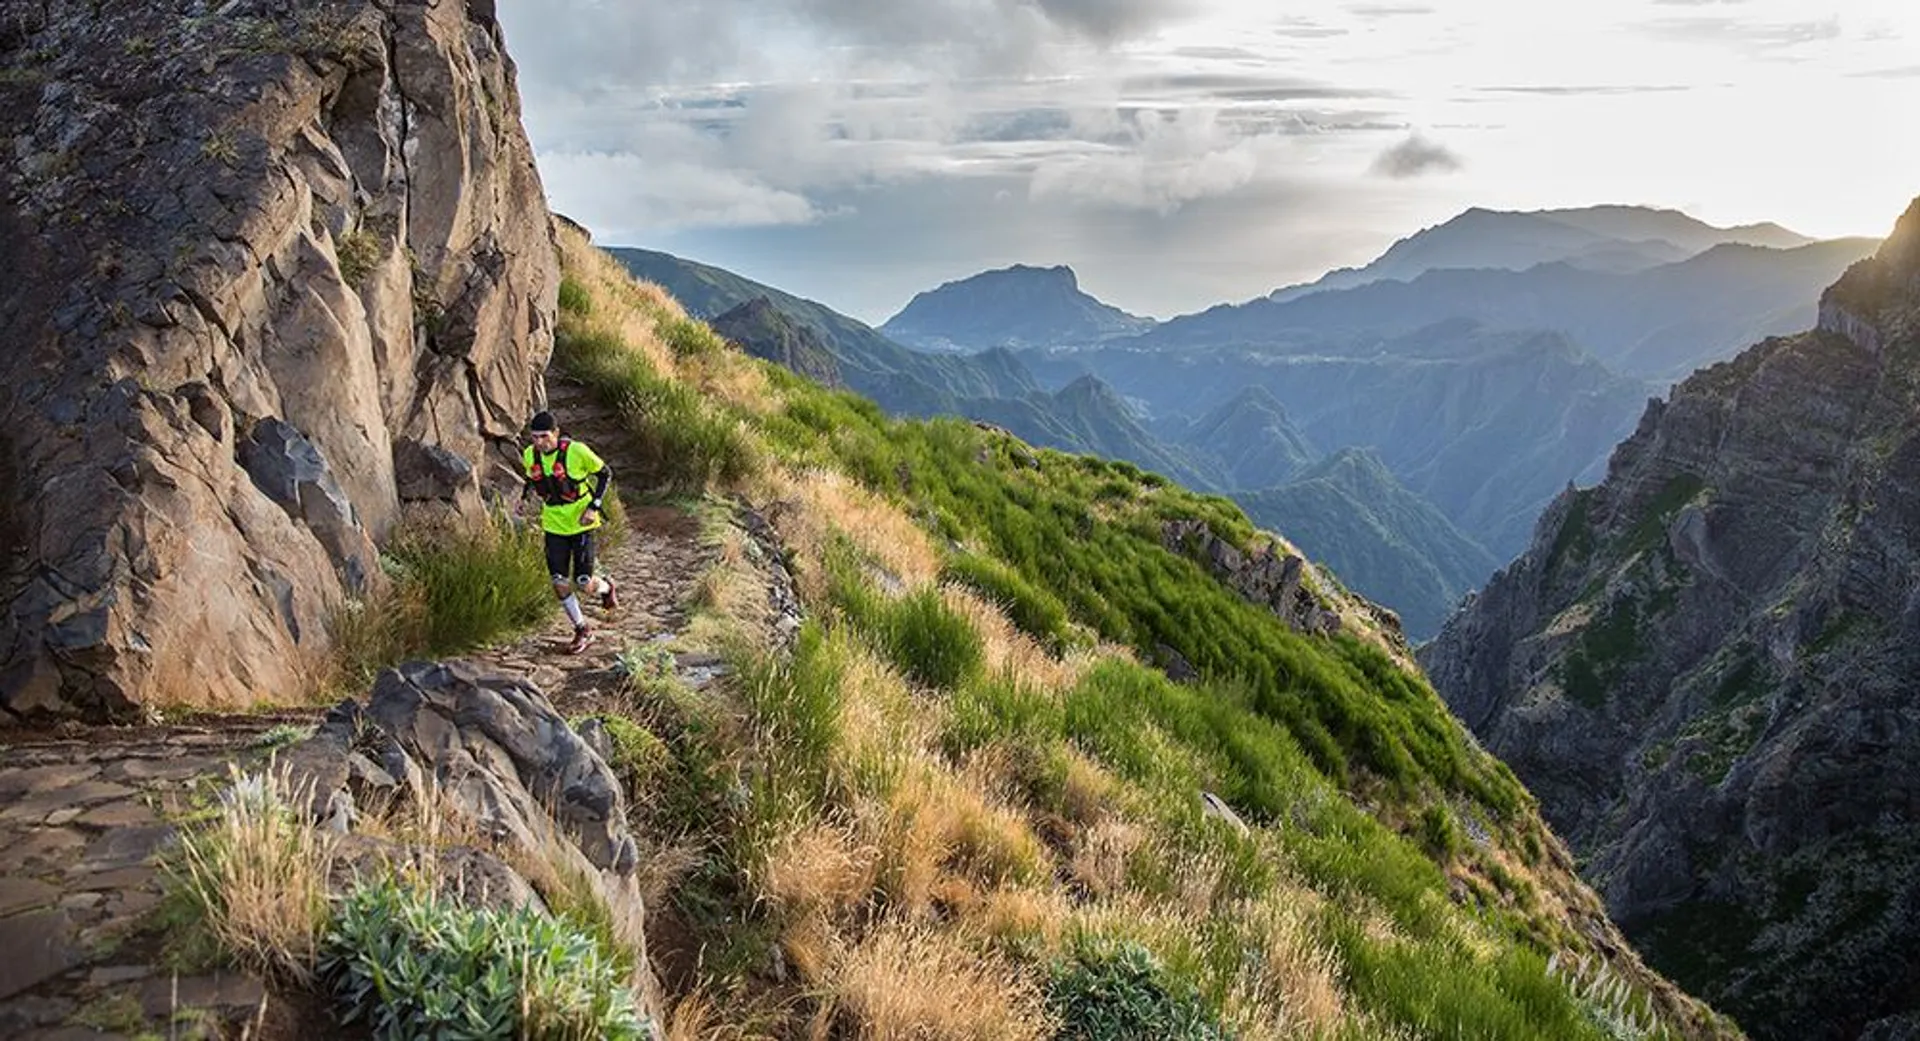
column 574, row 298
column 476, row 583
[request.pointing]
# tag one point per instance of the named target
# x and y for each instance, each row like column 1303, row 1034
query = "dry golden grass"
column 1007, row 649
column 258, row 874
column 622, row 305
column 1088, row 791
column 828, row 503
column 736, row 379
column 430, row 818
column 697, row 1017
column 821, row 866
column 1021, row 916
column 908, row 982
column 663, row 866
column 935, row 824
column 1100, row 858
column 1292, row 988
column 811, row 944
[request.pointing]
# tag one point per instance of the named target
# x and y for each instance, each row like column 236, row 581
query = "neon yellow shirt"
column 582, row 464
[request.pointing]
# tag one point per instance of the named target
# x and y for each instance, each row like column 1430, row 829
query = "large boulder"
column 491, row 746
column 244, row 323
column 519, row 804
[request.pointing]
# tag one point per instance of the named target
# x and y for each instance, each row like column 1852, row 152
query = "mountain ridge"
column 1608, row 237
column 1655, row 324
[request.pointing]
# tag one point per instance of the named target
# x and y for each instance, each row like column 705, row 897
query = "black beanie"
column 543, row 421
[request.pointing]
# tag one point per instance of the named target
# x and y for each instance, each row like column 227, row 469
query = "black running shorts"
column 570, row 556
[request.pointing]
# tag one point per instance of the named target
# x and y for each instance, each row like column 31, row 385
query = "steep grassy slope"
column 962, row 807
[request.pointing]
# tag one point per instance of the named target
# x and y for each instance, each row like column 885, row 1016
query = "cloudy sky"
column 1181, row 153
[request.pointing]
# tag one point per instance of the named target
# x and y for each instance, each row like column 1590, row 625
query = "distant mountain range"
column 1616, row 239
column 1655, row 324
column 1487, row 425
column 1018, row 306
column 1482, row 364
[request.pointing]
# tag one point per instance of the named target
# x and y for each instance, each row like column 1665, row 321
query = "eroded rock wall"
column 274, row 270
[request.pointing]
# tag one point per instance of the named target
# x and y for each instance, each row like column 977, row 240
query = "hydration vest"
column 556, row 487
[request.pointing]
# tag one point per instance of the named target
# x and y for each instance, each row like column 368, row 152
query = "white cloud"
column 1171, row 159
column 628, row 195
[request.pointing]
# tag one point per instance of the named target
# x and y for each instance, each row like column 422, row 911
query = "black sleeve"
column 601, row 480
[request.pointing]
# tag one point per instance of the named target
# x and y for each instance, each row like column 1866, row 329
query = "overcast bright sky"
column 1181, row 153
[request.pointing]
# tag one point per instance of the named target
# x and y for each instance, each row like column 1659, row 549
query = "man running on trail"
column 572, row 482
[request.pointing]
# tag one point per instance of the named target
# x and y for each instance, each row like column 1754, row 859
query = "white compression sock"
column 572, row 606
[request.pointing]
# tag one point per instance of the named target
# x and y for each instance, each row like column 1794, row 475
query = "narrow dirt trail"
column 655, row 567
column 85, row 812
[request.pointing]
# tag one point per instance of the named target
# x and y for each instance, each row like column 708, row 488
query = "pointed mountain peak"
column 1879, row 296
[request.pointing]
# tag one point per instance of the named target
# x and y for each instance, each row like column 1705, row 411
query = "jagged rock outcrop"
column 276, row 270
column 1264, row 576
column 490, row 750
column 1706, row 668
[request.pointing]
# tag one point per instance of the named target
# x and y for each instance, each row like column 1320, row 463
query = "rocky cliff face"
column 1706, row 667
column 276, row 271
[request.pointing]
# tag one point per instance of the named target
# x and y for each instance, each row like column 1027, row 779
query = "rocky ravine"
column 1706, row 669
column 291, row 271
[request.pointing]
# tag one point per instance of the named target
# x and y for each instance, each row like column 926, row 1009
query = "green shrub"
column 1120, row 992
column 639, row 756
column 358, row 251
column 688, row 338
column 1002, row 706
column 1037, row 612
column 410, row 965
column 929, row 642
column 1439, row 833
column 475, row 582
column 448, row 590
column 574, row 298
